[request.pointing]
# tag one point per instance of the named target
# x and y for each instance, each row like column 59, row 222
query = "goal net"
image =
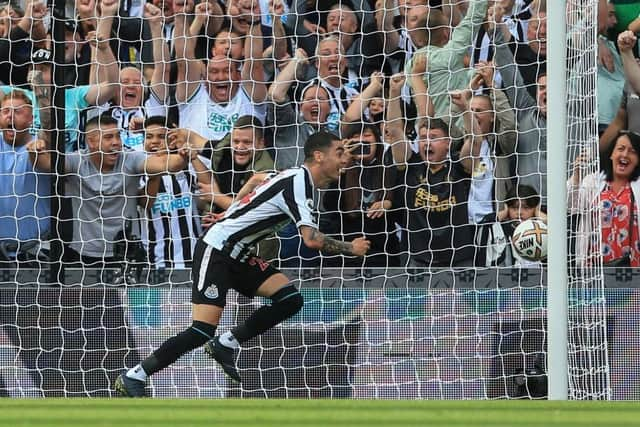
column 128, row 126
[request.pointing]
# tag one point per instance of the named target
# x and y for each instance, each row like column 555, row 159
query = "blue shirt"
column 25, row 203
column 75, row 99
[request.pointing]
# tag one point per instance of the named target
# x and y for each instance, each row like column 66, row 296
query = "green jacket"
column 446, row 71
column 262, row 161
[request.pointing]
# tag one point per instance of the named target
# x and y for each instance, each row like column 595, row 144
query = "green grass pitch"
column 309, row 413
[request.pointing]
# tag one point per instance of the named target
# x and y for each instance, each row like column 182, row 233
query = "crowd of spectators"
column 171, row 106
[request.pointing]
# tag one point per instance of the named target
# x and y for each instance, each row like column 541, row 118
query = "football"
column 529, row 240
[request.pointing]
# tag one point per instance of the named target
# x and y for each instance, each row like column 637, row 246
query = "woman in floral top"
column 619, row 189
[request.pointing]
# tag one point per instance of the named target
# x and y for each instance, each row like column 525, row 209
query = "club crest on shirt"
column 211, row 292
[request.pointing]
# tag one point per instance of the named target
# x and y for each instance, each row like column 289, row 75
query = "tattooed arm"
column 314, row 239
column 42, row 95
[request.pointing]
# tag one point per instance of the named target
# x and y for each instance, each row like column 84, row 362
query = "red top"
column 615, row 226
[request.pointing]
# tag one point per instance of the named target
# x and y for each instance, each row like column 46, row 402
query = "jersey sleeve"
column 299, row 201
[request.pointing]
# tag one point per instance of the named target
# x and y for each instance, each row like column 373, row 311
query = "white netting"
column 446, row 107
column 588, row 352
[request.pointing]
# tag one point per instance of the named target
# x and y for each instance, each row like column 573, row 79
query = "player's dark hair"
column 319, row 141
column 607, row 164
column 244, row 122
column 525, row 194
column 155, row 120
column 100, row 121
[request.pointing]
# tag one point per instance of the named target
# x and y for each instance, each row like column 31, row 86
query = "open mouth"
column 242, row 154
column 221, row 89
column 130, row 96
column 623, row 163
column 333, row 68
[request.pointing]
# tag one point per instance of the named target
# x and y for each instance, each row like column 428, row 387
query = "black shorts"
column 214, row 273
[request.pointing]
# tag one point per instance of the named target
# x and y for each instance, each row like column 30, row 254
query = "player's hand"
column 210, row 218
column 626, row 41
column 377, row 209
column 360, row 246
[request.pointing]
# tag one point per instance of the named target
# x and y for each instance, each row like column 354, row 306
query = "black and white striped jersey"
column 284, row 197
column 173, row 222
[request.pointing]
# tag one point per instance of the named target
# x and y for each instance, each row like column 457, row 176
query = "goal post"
column 557, row 284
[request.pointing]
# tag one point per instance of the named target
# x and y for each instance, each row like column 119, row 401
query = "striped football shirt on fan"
column 173, row 223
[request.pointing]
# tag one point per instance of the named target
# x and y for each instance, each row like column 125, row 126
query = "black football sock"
column 285, row 303
column 189, row 339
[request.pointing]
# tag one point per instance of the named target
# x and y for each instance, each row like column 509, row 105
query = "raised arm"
column 32, row 23
column 314, row 239
column 42, row 102
column 626, row 42
column 394, row 124
column 421, row 97
column 461, row 34
column 154, row 165
column 276, row 9
column 473, row 139
column 284, row 80
column 384, row 21
column 505, row 128
column 359, row 104
column 513, row 83
column 104, row 67
column 209, row 15
column 190, row 69
column 252, row 68
column 161, row 56
column 181, row 137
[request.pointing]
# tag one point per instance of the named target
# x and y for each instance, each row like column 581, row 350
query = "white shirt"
column 481, row 191
column 213, row 120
